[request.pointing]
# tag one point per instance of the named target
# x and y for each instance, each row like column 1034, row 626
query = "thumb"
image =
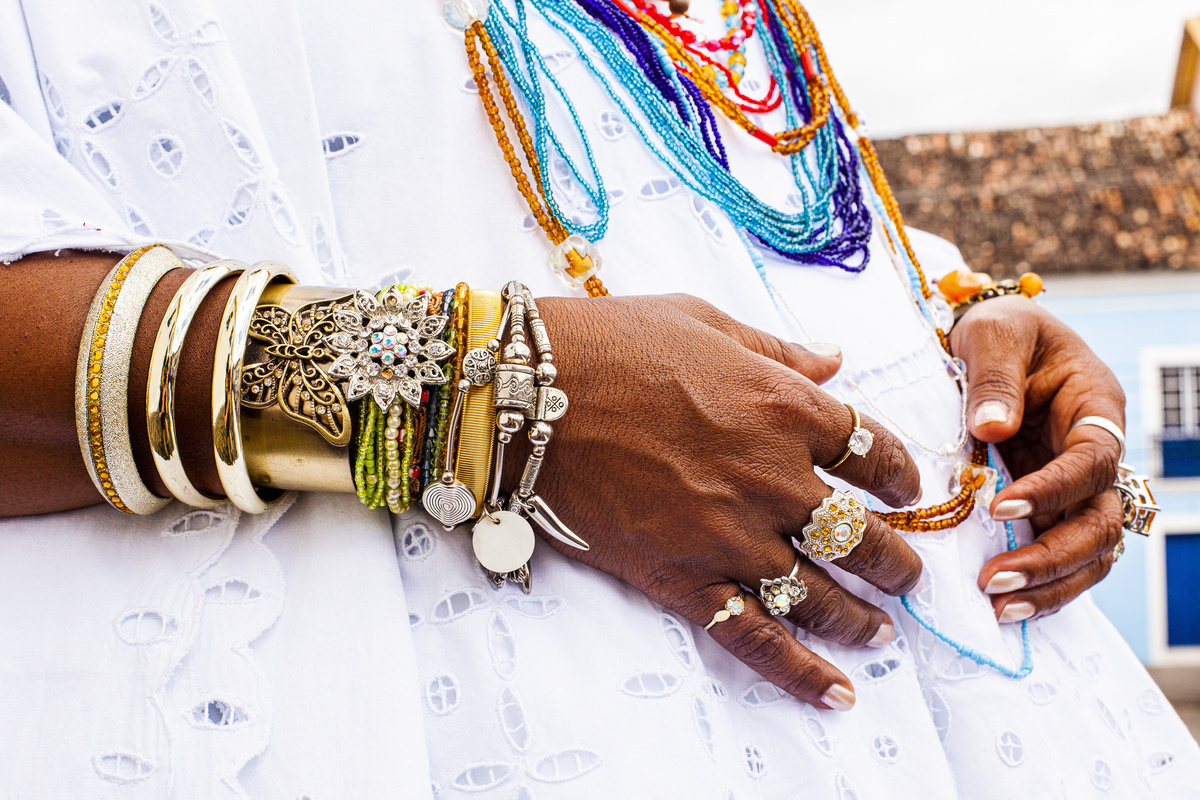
column 997, row 356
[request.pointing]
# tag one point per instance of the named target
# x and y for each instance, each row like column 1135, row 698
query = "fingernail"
column 1012, row 509
column 839, row 698
column 991, row 411
column 921, row 584
column 1015, row 612
column 1003, row 582
column 883, row 636
column 825, row 349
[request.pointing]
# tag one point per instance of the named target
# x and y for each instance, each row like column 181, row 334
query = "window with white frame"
column 1180, row 432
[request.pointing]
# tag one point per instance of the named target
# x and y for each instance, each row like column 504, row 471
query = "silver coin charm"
column 448, row 503
column 503, row 541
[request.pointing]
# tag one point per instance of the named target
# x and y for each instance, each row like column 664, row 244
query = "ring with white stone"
column 836, row 527
column 732, row 608
column 780, row 594
column 860, row 441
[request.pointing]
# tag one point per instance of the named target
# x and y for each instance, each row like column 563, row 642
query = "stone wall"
column 1110, row 197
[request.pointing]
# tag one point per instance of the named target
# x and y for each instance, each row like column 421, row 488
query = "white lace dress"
column 322, row 651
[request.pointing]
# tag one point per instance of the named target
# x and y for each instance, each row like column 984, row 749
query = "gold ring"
column 733, row 607
column 859, row 443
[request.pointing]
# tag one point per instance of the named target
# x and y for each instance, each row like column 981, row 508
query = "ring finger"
column 827, row 610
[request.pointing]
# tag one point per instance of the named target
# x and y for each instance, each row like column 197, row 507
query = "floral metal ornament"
column 836, row 527
column 388, row 347
column 780, row 594
column 293, row 374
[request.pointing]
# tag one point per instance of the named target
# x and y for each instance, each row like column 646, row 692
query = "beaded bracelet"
column 964, row 288
column 503, row 539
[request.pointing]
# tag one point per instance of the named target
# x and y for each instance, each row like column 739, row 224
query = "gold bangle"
column 477, row 432
column 281, row 453
column 227, row 385
column 102, row 378
column 164, row 369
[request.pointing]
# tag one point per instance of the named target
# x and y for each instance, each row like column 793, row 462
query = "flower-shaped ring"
column 836, row 527
column 780, row 594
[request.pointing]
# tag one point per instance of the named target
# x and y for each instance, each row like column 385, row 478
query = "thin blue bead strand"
column 965, row 650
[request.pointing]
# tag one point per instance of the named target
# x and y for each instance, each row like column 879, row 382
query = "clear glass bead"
column 575, row 260
column 462, row 13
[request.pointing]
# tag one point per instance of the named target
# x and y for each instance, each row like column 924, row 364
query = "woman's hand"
column 686, row 461
column 1031, row 377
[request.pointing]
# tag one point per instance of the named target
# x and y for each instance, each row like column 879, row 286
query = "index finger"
column 1086, row 467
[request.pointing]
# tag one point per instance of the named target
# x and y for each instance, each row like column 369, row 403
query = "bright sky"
column 925, row 66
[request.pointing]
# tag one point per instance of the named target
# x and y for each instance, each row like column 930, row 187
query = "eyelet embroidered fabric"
column 321, row 652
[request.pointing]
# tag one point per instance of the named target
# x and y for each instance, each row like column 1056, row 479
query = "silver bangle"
column 164, row 369
column 227, row 386
column 102, row 378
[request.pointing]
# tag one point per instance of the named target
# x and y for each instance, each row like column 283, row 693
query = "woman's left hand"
column 1031, row 378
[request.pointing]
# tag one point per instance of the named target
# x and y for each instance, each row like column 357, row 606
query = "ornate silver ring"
column 836, row 527
column 859, row 443
column 1137, row 501
column 732, row 608
column 780, row 594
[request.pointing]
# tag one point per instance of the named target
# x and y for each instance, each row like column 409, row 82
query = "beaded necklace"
column 740, row 20
column 824, row 232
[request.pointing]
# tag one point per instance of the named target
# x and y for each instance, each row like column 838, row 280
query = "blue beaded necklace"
column 833, row 227
column 965, row 650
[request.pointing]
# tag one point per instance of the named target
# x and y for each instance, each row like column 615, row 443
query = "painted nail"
column 883, row 636
column 1003, row 582
column 1012, row 509
column 825, row 349
column 1015, row 612
column 991, row 411
column 839, row 698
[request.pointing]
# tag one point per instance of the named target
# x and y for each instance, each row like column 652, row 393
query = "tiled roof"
column 1110, row 197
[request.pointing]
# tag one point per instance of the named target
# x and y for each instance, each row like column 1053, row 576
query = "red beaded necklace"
column 734, row 40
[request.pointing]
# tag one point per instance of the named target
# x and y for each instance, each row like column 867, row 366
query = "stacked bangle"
column 164, row 369
column 102, row 378
column 227, row 386
column 473, row 460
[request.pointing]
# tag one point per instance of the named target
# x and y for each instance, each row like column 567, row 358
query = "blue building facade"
column 1146, row 327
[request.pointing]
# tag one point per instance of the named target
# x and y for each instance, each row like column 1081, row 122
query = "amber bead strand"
column 959, row 507
column 553, row 229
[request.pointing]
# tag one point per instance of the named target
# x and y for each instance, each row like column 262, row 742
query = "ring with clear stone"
column 732, row 608
column 860, row 441
column 780, row 594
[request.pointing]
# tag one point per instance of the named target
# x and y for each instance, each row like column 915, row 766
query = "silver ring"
column 780, row 594
column 1104, row 424
column 733, row 607
column 835, row 528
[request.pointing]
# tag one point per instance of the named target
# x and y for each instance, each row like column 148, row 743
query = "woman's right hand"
column 686, row 461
